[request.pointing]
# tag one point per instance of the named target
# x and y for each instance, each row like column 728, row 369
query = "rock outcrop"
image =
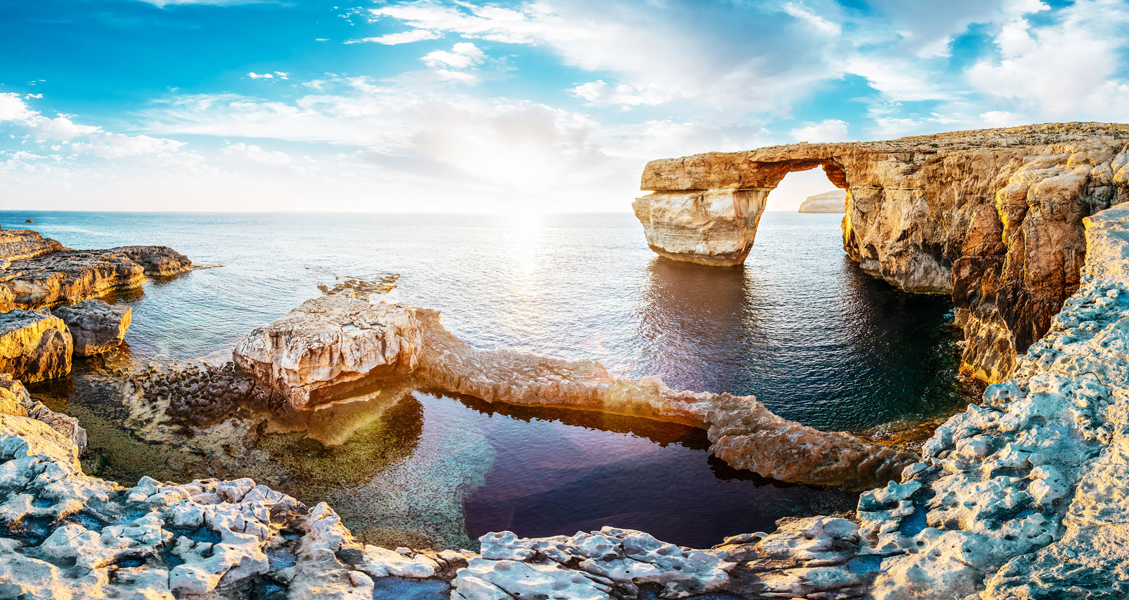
column 334, row 346
column 834, row 201
column 40, row 272
column 34, row 345
column 95, row 326
column 330, row 346
column 993, row 217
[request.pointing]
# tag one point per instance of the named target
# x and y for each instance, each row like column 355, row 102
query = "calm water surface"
column 799, row 326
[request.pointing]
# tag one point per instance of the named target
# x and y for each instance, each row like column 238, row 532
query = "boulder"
column 34, row 345
column 95, row 326
column 333, row 347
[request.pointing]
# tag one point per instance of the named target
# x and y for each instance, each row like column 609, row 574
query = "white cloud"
column 257, row 154
column 599, row 93
column 798, row 10
column 1000, row 118
column 1063, row 70
column 12, row 108
column 116, row 145
column 404, row 37
column 282, row 75
column 254, row 75
column 33, row 95
column 720, row 56
column 831, row 130
column 462, row 56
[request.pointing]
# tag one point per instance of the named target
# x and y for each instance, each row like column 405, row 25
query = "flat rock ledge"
column 39, row 272
column 330, row 347
column 95, row 326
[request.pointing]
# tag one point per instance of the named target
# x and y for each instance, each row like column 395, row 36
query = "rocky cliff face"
column 993, row 217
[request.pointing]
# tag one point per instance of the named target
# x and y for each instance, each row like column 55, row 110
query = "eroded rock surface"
column 41, row 272
column 34, row 345
column 17, row 244
column 95, row 326
column 993, row 217
column 834, row 201
column 332, row 346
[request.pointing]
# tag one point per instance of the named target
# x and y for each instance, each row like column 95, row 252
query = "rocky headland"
column 992, row 217
column 834, row 201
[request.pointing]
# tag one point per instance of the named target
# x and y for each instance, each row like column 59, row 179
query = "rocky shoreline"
column 1017, row 497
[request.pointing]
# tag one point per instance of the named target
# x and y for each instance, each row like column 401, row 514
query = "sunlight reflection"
column 525, row 239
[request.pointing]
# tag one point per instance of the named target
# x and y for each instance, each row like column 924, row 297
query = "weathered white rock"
column 330, row 346
column 834, row 201
column 95, row 326
column 34, row 345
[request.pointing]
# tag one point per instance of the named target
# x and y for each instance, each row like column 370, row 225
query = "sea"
column 799, row 326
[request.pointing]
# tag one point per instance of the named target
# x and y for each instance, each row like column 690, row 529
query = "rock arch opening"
column 992, row 217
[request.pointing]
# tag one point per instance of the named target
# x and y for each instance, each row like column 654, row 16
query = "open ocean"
column 799, row 326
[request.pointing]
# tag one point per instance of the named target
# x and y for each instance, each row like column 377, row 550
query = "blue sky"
column 432, row 105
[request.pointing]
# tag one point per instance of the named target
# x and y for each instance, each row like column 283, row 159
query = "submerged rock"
column 329, row 348
column 95, row 326
column 834, row 201
column 993, row 217
column 34, row 345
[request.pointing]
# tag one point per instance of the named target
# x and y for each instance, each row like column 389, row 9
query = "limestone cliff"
column 993, row 217
column 834, row 201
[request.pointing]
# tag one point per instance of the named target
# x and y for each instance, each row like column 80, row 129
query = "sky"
column 505, row 107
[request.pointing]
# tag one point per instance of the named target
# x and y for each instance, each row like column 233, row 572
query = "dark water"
column 799, row 326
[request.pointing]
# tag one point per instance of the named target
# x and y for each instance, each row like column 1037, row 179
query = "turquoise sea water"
column 799, row 326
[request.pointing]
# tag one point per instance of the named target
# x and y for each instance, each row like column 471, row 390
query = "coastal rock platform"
column 39, row 272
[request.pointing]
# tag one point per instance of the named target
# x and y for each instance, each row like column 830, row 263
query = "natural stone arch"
column 716, row 226
column 993, row 217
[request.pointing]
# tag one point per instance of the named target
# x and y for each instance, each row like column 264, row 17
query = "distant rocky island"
column 1019, row 496
column 834, row 201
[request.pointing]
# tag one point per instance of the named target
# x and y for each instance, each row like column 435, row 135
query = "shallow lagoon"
column 814, row 338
